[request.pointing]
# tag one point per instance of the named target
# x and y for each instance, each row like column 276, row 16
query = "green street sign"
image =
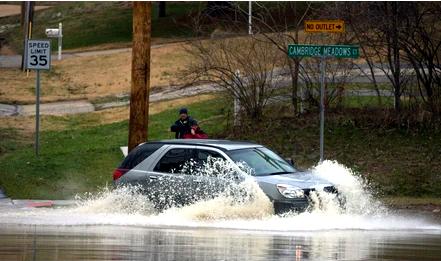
column 337, row 51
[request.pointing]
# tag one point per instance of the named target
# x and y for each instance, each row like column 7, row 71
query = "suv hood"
column 303, row 180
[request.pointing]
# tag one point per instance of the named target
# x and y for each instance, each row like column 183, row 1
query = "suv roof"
column 221, row 144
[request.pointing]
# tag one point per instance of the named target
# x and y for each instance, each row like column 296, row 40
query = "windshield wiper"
column 281, row 172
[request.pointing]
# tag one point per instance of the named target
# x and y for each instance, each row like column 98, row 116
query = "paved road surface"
column 81, row 106
column 14, row 61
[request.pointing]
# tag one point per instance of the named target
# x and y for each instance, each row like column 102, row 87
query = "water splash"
column 357, row 196
column 122, row 200
column 232, row 208
column 252, row 205
column 227, row 191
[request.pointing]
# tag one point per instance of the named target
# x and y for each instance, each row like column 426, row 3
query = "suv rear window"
column 138, row 154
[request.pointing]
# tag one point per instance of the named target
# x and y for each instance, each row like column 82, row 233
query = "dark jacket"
column 183, row 127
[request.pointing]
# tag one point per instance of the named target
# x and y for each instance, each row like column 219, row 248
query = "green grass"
column 93, row 23
column 367, row 102
column 396, row 161
column 82, row 159
column 9, row 140
column 355, row 101
column 406, row 201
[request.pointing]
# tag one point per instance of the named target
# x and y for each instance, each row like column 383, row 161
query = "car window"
column 174, row 160
column 211, row 169
column 138, row 154
column 203, row 155
column 262, row 161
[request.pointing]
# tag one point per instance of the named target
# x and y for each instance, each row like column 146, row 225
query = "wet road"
column 30, row 242
column 120, row 224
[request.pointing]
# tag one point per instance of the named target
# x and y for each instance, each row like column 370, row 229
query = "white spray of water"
column 357, row 197
column 236, row 194
column 121, row 200
column 128, row 206
column 226, row 207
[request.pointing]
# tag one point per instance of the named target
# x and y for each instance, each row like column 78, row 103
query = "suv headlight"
column 289, row 191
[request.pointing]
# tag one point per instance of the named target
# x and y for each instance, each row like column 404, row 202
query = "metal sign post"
column 250, row 26
column 60, row 39
column 37, row 114
column 38, row 57
column 322, row 52
column 322, row 105
column 56, row 33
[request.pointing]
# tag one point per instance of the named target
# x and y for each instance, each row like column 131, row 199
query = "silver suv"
column 161, row 169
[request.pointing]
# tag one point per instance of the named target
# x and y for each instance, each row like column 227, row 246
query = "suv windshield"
column 262, row 160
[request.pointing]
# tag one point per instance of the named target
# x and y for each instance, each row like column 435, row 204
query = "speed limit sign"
column 38, row 54
column 38, row 57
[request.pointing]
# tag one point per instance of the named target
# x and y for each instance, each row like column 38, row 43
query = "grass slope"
column 83, row 159
column 399, row 162
column 94, row 23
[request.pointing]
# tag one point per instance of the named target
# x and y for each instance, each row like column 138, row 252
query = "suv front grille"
column 328, row 189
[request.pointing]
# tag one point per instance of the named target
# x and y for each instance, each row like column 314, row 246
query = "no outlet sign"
column 38, row 55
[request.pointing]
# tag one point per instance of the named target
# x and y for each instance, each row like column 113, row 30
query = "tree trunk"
column 396, row 55
column 162, row 9
column 294, row 71
column 139, row 98
column 22, row 14
column 31, row 12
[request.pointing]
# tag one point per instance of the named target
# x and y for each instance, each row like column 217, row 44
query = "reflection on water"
column 135, row 243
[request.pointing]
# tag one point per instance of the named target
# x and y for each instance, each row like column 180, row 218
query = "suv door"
column 172, row 182
column 206, row 184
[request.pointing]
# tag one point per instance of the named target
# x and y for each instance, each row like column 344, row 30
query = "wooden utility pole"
column 139, row 97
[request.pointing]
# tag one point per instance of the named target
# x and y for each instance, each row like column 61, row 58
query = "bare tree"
column 244, row 67
column 280, row 26
column 378, row 26
column 359, row 27
column 275, row 23
column 338, row 73
column 421, row 41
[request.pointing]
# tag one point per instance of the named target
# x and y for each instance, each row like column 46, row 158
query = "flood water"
column 121, row 225
column 137, row 243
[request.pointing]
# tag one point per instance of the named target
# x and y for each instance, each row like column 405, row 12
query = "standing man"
column 184, row 125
